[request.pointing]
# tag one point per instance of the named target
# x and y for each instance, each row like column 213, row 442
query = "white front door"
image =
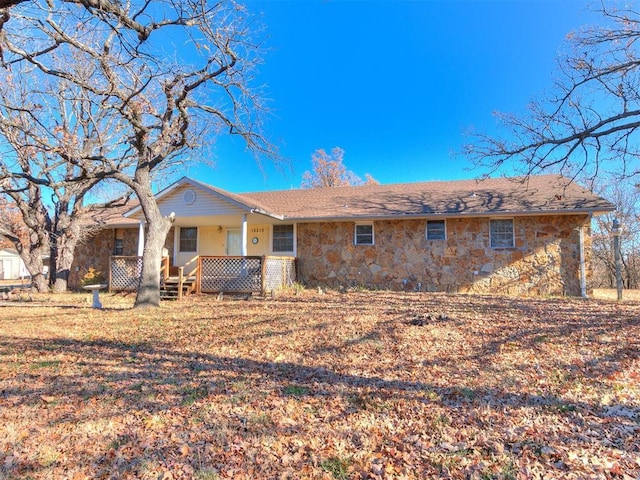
column 234, row 242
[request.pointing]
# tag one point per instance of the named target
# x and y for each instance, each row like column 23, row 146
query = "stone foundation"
column 544, row 261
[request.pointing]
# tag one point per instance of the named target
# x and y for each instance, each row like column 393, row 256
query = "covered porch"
column 219, row 242
column 212, row 274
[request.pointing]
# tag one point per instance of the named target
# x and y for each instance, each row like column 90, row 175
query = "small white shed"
column 11, row 265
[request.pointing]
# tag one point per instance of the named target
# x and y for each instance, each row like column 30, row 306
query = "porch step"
column 169, row 289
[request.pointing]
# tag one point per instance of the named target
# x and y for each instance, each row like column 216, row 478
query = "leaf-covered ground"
column 341, row 385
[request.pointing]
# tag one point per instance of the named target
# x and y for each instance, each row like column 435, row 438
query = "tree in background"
column 165, row 77
column 329, row 171
column 587, row 129
column 12, row 228
column 627, row 200
column 24, row 226
column 588, row 125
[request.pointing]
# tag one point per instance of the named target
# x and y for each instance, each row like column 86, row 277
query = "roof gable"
column 187, row 198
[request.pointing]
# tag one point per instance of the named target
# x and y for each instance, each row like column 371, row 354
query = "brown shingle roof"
column 499, row 196
column 114, row 216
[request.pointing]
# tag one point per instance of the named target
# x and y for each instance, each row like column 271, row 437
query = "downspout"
column 583, row 267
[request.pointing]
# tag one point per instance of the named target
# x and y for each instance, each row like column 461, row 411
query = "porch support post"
column 583, row 267
column 243, row 248
column 141, row 238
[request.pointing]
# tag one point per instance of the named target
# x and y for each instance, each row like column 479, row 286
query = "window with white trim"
column 363, row 234
column 283, row 238
column 436, row 230
column 501, row 233
column 188, row 239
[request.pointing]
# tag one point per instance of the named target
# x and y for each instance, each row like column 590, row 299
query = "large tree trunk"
column 149, row 289
column 157, row 228
column 64, row 242
column 32, row 258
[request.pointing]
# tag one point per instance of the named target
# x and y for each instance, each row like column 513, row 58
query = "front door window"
column 234, row 242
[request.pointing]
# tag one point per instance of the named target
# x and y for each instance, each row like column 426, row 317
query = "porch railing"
column 278, row 272
column 245, row 274
column 257, row 274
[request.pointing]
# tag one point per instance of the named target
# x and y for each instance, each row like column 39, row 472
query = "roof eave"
column 431, row 216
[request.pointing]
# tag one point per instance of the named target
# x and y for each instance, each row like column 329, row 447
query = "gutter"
column 437, row 216
column 259, row 211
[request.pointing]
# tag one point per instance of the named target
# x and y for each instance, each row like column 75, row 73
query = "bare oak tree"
column 329, row 171
column 589, row 123
column 169, row 75
column 40, row 129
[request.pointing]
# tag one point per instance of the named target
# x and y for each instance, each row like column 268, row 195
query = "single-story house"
column 11, row 265
column 523, row 236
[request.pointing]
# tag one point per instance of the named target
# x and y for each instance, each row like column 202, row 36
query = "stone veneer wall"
column 97, row 249
column 544, row 261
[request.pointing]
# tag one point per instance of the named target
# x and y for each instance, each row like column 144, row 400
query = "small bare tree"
column 30, row 243
column 11, row 225
column 170, row 75
column 26, row 229
column 329, row 171
column 589, row 124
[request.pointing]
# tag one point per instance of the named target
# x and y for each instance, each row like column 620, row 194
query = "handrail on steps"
column 181, row 278
column 164, row 268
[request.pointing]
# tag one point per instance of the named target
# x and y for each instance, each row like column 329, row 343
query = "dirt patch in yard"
column 355, row 385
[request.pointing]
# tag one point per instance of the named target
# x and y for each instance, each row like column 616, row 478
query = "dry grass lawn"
column 612, row 294
column 360, row 385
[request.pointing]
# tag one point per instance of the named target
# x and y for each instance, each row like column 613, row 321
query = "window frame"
column 118, row 247
column 444, row 229
column 493, row 241
column 277, row 240
column 182, row 249
column 357, row 235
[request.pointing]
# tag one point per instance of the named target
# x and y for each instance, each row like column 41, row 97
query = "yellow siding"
column 261, row 232
column 212, row 241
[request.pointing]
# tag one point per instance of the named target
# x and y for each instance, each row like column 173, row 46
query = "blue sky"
column 394, row 83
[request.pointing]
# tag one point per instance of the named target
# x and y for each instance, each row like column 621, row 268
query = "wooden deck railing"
column 213, row 274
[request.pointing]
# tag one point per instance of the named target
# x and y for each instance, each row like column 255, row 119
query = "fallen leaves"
column 373, row 385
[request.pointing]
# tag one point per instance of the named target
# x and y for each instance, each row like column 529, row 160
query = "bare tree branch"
column 141, row 106
column 590, row 123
